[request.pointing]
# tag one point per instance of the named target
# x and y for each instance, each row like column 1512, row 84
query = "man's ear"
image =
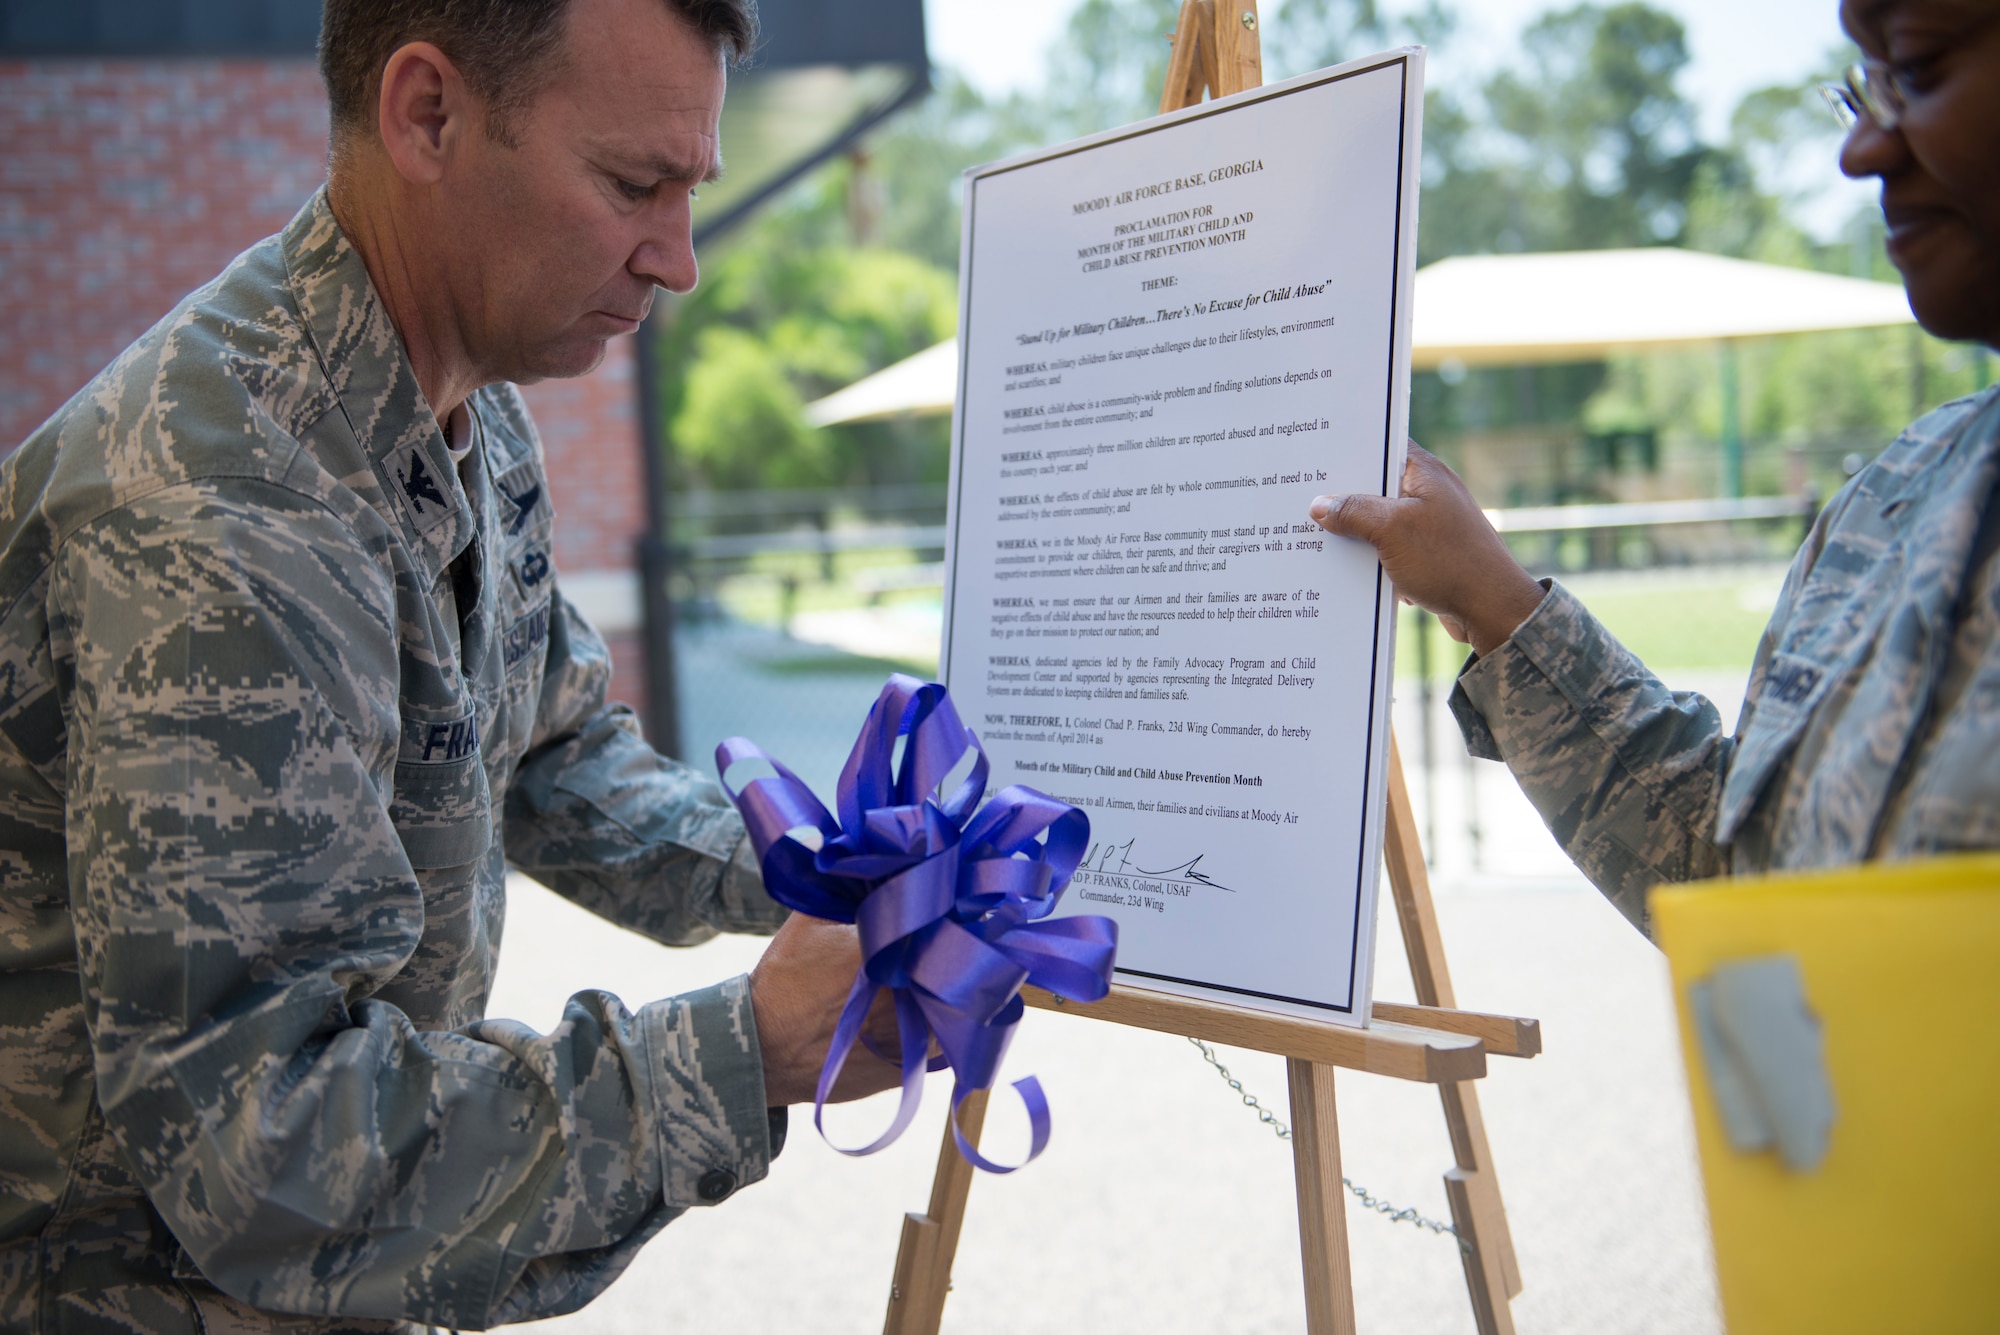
column 425, row 107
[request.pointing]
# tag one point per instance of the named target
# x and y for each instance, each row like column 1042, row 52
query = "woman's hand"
column 1440, row 552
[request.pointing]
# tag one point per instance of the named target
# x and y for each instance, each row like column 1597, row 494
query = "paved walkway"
column 1162, row 1205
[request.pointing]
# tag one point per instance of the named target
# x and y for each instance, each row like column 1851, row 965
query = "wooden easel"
column 1216, row 47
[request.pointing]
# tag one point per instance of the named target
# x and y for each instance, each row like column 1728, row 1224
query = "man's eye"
column 635, row 192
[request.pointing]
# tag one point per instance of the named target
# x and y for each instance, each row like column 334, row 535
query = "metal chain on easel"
column 1406, row 1215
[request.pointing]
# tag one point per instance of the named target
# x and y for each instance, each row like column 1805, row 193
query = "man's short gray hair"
column 504, row 48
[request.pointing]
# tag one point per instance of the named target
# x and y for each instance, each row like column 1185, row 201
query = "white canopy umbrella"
column 923, row 385
column 1510, row 310
column 1580, row 305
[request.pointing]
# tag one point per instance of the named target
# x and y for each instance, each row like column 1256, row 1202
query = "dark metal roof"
column 841, row 32
column 108, row 28
column 796, row 32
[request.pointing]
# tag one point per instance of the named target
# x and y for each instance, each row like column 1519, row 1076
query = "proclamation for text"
column 1174, row 337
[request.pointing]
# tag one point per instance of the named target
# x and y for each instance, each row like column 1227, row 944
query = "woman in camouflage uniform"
column 1871, row 728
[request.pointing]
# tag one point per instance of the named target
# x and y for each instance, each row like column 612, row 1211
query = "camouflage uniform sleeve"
column 600, row 817
column 241, row 897
column 1626, row 773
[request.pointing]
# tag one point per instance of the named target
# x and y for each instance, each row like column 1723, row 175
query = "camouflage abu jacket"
column 1871, row 728
column 281, row 694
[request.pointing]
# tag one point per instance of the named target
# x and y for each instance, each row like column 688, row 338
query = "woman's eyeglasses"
column 1868, row 88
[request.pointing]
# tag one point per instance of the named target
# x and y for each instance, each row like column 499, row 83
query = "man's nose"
column 664, row 257
column 1870, row 150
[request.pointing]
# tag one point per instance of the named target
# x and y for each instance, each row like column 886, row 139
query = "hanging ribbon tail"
column 910, row 1028
column 1037, row 1104
column 974, row 1050
column 967, row 975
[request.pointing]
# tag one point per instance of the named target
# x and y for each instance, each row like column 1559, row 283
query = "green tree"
column 1108, row 67
column 790, row 311
column 1303, row 35
column 1604, row 145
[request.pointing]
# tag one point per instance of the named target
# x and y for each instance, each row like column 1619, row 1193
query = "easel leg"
column 930, row 1240
column 1185, row 74
column 1322, row 1207
column 1492, row 1274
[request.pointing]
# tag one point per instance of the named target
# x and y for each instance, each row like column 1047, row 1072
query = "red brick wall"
column 125, row 184
column 590, row 435
column 590, row 429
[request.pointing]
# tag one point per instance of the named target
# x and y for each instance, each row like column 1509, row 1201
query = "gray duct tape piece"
column 1766, row 1058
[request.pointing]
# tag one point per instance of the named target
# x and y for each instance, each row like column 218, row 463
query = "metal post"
column 1474, row 836
column 655, row 555
column 1428, row 733
column 1920, row 391
column 1732, row 422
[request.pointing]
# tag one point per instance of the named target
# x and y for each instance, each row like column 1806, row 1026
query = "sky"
column 1736, row 46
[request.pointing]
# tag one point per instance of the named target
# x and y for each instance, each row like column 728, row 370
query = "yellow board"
column 1899, row 1228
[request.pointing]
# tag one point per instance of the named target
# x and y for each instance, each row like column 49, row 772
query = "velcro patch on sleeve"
column 439, row 742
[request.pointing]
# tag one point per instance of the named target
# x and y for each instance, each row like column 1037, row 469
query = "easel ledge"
column 1422, row 1043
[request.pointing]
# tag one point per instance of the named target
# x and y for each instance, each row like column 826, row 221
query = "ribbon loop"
column 952, row 898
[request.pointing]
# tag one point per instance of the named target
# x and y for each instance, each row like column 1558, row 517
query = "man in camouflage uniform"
column 1872, row 724
column 287, row 681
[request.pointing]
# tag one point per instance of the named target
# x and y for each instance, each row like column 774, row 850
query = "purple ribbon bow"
column 951, row 902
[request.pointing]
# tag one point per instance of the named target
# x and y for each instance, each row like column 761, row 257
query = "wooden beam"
column 1410, row 880
column 1239, row 51
column 1385, row 1048
column 1480, row 1219
column 1184, row 64
column 930, row 1241
column 1492, row 1270
column 1504, row 1035
column 1322, row 1202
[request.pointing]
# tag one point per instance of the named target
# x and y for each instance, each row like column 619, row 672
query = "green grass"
column 756, row 594
column 1715, row 626
column 1692, row 620
column 837, row 663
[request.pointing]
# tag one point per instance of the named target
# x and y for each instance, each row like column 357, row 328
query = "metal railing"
column 821, row 542
column 825, row 539
column 1649, row 514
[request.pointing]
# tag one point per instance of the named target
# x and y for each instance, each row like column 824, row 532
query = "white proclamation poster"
column 1172, row 338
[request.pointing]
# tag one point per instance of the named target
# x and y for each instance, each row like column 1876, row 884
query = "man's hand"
column 797, row 991
column 1440, row 552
